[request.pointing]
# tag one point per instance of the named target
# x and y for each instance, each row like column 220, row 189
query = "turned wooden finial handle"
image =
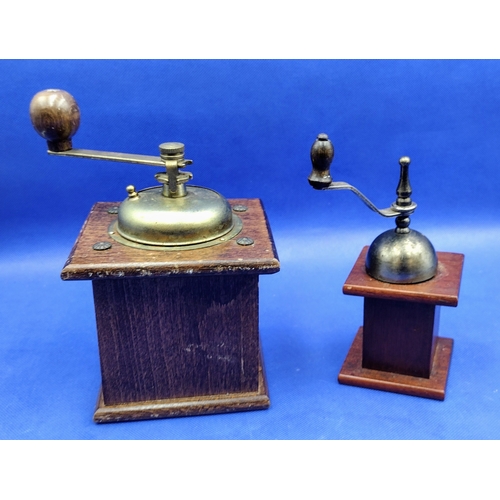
column 321, row 157
column 56, row 117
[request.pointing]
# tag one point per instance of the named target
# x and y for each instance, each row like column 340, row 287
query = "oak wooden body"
column 398, row 348
column 178, row 331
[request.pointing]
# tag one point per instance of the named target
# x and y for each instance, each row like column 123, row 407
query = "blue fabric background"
column 249, row 125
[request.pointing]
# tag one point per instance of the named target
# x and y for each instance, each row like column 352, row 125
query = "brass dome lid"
column 401, row 257
column 174, row 216
column 200, row 218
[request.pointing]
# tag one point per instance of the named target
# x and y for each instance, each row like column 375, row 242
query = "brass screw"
column 102, row 245
column 245, row 241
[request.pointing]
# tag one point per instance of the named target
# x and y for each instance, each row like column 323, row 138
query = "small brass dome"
column 405, row 258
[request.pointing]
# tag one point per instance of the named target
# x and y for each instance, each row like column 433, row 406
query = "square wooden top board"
column 443, row 289
column 85, row 263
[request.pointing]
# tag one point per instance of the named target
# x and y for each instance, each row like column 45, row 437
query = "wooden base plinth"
column 178, row 331
column 398, row 348
column 434, row 387
column 184, row 407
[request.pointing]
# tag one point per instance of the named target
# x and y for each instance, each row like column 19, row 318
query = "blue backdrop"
column 249, row 125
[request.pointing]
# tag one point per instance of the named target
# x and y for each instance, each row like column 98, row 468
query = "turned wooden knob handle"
column 321, row 157
column 56, row 117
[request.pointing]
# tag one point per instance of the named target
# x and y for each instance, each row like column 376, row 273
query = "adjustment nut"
column 170, row 149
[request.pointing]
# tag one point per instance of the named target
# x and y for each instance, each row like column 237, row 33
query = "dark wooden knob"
column 56, row 117
column 321, row 157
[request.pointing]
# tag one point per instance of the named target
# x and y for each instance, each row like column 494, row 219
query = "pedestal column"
column 398, row 348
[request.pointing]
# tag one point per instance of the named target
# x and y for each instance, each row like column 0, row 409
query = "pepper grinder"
column 404, row 281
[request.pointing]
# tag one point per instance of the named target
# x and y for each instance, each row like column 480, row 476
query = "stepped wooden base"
column 434, row 387
column 184, row 407
column 398, row 348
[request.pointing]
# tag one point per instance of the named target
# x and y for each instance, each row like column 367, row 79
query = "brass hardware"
column 162, row 221
column 102, row 245
column 401, row 255
column 245, row 241
column 240, row 208
column 176, row 246
column 173, row 216
column 132, row 193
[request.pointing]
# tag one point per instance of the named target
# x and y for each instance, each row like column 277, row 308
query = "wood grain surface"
column 85, row 263
column 178, row 331
column 176, row 337
column 398, row 348
column 399, row 336
column 434, row 387
column 182, row 407
column 443, row 289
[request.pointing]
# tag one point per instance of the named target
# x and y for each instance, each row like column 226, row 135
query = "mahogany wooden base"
column 398, row 348
column 183, row 407
column 434, row 387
